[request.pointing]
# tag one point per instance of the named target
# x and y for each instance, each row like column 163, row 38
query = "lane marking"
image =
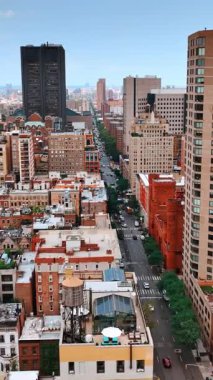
column 181, row 358
column 158, row 359
column 173, row 339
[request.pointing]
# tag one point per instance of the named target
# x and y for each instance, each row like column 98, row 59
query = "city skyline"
column 113, row 42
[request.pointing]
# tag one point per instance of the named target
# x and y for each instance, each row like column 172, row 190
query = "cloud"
column 7, row 14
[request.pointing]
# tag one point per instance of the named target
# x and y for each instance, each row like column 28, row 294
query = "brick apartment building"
column 166, row 220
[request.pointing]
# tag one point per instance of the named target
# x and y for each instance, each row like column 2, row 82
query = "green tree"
column 150, row 245
column 133, row 203
column 187, row 333
column 155, row 258
column 112, row 200
column 122, row 184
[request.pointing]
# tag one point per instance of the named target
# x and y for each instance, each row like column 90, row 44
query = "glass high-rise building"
column 43, row 80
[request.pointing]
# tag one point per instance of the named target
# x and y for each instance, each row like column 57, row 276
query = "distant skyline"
column 110, row 40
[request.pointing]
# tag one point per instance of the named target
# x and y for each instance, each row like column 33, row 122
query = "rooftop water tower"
column 72, row 300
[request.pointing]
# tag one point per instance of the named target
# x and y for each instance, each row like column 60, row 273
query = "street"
column 134, row 259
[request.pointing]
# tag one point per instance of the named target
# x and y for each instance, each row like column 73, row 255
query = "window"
column 120, row 366
column 7, row 278
column 96, row 266
column 34, row 350
column 2, row 351
column 1, row 338
column 13, row 351
column 39, row 278
column 140, row 365
column 198, row 124
column 7, row 287
column 24, row 351
column 12, row 338
column 200, row 62
column 200, row 71
column 199, row 89
column 100, row 367
column 50, row 278
column 200, row 41
column 71, row 367
column 200, row 51
column 199, row 79
column 24, row 365
column 50, row 289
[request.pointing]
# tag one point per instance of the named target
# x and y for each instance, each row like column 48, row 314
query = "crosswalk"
column 148, row 278
column 149, row 292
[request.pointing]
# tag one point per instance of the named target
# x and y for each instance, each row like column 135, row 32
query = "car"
column 134, row 237
column 146, row 285
column 167, row 362
column 121, row 265
column 124, row 225
column 136, row 223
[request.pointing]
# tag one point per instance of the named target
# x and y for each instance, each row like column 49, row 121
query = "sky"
column 104, row 39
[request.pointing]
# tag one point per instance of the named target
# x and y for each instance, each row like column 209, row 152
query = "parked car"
column 167, row 362
column 146, row 285
column 124, row 225
column 136, row 223
column 134, row 237
column 121, row 265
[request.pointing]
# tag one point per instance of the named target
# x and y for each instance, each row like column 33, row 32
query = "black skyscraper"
column 43, row 80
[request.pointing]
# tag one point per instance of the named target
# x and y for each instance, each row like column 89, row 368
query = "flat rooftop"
column 44, row 328
column 180, row 180
column 140, row 335
column 9, row 313
column 26, row 267
column 22, row 375
column 97, row 195
column 105, row 238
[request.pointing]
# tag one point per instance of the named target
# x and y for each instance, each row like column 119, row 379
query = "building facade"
column 43, row 80
column 198, row 226
column 170, row 103
column 101, row 93
column 135, row 92
column 66, row 152
column 26, row 157
column 151, row 147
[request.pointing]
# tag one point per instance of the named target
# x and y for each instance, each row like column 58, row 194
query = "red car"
column 167, row 362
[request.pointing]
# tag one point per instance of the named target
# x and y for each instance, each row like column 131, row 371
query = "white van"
column 136, row 223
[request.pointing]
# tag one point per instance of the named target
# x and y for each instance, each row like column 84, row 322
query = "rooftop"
column 104, row 239
column 180, row 180
column 96, row 195
column 9, row 313
column 44, row 328
column 21, row 375
column 26, row 267
column 115, row 306
column 48, row 222
column 169, row 91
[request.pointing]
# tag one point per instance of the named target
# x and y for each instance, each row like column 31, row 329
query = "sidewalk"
column 205, row 367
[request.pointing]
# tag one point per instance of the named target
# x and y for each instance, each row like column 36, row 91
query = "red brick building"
column 166, row 219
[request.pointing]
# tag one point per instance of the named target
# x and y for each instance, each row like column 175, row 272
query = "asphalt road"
column 135, row 260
